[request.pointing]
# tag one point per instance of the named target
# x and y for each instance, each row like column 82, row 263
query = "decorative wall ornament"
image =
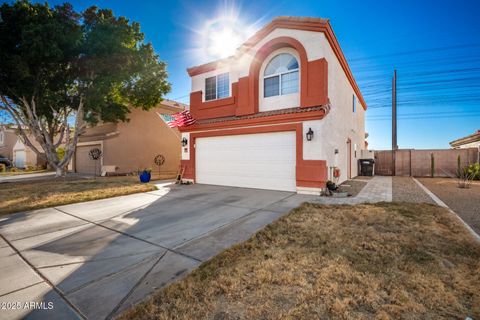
column 159, row 160
column 95, row 154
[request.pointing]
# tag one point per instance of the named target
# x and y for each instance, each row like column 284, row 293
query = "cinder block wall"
column 418, row 163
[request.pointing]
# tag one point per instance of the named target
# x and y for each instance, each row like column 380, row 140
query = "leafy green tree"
column 61, row 70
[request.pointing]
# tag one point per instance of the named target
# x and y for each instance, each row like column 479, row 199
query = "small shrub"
column 473, row 171
column 60, row 153
column 459, row 167
column 3, row 167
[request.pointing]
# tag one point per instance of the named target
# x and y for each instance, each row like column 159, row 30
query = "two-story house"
column 280, row 114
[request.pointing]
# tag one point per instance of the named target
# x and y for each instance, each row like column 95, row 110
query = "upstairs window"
column 217, row 87
column 354, row 104
column 281, row 76
column 2, row 138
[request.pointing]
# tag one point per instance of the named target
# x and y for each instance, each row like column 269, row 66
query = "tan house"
column 13, row 147
column 127, row 147
column 470, row 141
column 8, row 138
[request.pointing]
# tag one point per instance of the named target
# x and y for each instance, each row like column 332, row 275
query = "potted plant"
column 145, row 175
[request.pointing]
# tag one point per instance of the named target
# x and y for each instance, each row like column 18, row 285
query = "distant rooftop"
column 470, row 138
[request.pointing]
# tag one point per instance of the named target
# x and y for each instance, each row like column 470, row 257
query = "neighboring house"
column 280, row 114
column 13, row 147
column 131, row 146
column 470, row 141
column 8, row 138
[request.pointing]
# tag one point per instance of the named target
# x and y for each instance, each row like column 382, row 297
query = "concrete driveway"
column 93, row 260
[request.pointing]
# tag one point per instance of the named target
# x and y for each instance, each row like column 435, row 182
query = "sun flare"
column 222, row 37
column 223, row 43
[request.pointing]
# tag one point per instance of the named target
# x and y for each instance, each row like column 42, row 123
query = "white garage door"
column 263, row 161
column 19, row 157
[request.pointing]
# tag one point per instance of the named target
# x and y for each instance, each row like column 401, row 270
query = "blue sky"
column 435, row 46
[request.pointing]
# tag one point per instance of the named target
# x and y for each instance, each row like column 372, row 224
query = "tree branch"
column 79, row 128
column 20, row 123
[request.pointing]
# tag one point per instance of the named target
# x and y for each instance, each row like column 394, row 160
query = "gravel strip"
column 465, row 202
column 406, row 190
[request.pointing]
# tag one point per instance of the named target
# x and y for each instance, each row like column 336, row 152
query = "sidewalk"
column 27, row 177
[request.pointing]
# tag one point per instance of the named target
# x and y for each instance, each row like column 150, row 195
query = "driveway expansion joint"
column 45, row 279
column 20, row 289
column 48, row 232
column 95, row 260
column 109, row 275
column 130, row 236
column 232, row 221
column 117, row 307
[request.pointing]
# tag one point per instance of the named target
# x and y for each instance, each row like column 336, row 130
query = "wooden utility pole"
column 394, row 118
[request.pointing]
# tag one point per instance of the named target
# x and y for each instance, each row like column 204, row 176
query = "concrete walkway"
column 95, row 259
column 27, row 177
column 378, row 189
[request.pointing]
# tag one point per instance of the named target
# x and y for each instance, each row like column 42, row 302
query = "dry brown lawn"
column 22, row 196
column 384, row 261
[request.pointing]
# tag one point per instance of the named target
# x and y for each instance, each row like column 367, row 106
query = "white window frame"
column 2, row 138
column 280, row 77
column 216, row 87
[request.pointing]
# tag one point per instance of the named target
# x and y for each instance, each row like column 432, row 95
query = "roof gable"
column 297, row 23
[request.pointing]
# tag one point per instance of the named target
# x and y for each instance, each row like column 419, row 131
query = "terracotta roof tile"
column 265, row 114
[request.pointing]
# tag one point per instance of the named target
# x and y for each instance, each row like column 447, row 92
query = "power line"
column 431, row 117
column 427, row 113
column 417, row 51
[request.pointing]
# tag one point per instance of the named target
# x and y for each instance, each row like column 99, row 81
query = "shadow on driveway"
column 95, row 259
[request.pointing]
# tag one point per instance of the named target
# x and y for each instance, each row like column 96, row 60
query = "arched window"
column 281, row 76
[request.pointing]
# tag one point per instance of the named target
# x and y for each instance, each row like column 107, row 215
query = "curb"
column 440, row 203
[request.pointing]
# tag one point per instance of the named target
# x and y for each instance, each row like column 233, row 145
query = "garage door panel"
column 83, row 162
column 265, row 161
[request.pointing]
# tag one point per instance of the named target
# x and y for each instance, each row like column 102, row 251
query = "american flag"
column 179, row 119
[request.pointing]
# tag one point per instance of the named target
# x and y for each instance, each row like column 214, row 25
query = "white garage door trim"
column 262, row 160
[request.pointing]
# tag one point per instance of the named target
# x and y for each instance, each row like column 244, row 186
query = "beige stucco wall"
column 342, row 124
column 10, row 138
column 31, row 157
column 475, row 144
column 133, row 145
column 13, row 142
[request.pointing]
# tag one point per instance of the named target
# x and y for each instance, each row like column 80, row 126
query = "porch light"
column 309, row 134
column 184, row 142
